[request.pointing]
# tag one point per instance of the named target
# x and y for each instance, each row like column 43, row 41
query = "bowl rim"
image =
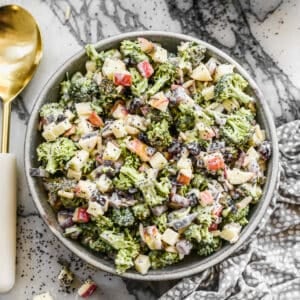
column 224, row 252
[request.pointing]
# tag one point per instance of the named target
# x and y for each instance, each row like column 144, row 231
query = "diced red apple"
column 119, row 110
column 80, row 215
column 123, row 79
column 206, row 198
column 159, row 101
column 217, row 210
column 87, row 289
column 146, row 45
column 95, row 120
column 145, row 68
column 214, row 162
column 184, row 176
column 213, row 227
column 139, row 148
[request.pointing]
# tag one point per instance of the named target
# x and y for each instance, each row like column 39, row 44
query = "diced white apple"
column 62, row 127
column 223, row 70
column 139, row 148
column 69, row 115
column 184, row 163
column 258, row 137
column 201, row 73
column 111, row 152
column 184, row 176
column 103, row 183
column 111, row 66
column 77, row 162
column 84, row 127
column 44, row 296
column 208, row 92
column 72, row 174
column 152, row 238
column 237, row 176
column 48, row 133
column 244, row 202
column 136, row 121
column 151, row 173
column 159, row 54
column 158, row 161
column 171, row 249
column 142, row 264
column 118, row 129
column 88, row 142
column 86, row 189
column 159, row 101
column 251, row 156
column 231, row 232
column 83, row 109
column 131, row 130
column 95, row 209
column 170, row 237
column 146, row 45
column 64, row 194
column 119, row 111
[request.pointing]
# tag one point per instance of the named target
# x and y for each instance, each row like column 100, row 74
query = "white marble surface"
column 264, row 36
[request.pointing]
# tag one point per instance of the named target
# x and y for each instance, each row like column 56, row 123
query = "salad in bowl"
column 151, row 155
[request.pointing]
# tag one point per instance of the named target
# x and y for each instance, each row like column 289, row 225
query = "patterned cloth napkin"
column 268, row 267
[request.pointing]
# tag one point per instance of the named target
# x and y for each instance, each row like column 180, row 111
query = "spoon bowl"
column 20, row 54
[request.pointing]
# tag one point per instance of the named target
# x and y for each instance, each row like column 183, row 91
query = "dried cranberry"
column 265, row 150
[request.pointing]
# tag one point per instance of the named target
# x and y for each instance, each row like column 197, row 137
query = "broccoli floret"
column 72, row 203
column 205, row 249
column 163, row 186
column 82, row 88
column 88, row 167
column 51, row 109
column 165, row 74
column 139, row 84
column 103, row 223
column 199, row 182
column 127, row 247
column 191, row 54
column 232, row 86
column 185, row 117
column 124, row 259
column 54, row 155
column 160, row 259
column 198, row 233
column 99, row 57
column 238, row 216
column 122, row 216
column 159, row 135
column 145, row 185
column 131, row 160
column 204, row 215
column 252, row 190
column 108, row 93
column 237, row 129
column 122, row 183
column 161, row 222
column 133, row 50
column 100, row 246
column 141, row 211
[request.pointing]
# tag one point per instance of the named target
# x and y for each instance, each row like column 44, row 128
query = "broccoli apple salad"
column 150, row 156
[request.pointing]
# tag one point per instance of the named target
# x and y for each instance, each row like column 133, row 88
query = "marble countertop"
column 263, row 36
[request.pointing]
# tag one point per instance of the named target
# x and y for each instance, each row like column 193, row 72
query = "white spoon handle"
column 8, row 186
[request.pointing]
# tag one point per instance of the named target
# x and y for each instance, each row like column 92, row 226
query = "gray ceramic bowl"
column 189, row 265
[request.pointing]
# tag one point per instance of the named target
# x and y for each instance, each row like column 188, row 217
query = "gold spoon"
column 20, row 54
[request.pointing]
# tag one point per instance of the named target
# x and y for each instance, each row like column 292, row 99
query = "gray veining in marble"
column 264, row 36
